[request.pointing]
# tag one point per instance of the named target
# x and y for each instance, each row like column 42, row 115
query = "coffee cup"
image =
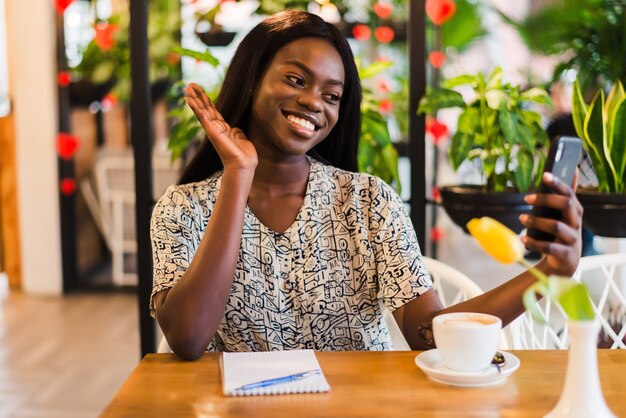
column 466, row 341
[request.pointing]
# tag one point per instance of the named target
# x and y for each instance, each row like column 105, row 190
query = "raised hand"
column 235, row 150
column 562, row 255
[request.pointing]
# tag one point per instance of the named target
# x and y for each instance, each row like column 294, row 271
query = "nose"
column 311, row 101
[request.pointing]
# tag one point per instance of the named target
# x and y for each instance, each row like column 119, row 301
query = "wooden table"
column 363, row 384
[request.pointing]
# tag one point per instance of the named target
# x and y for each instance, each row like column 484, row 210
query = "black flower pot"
column 605, row 213
column 217, row 38
column 465, row 202
column 84, row 92
column 159, row 88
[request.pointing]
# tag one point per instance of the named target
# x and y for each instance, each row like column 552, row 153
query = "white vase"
column 582, row 395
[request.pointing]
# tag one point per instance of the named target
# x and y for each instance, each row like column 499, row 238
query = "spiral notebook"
column 240, row 369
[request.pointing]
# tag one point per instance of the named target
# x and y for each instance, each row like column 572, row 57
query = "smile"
column 302, row 123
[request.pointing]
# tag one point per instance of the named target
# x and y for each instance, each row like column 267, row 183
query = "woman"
column 272, row 241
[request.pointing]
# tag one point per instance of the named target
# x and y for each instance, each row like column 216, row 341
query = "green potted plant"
column 497, row 132
column 602, row 127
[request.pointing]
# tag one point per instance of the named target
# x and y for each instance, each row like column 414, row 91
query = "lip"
column 306, row 116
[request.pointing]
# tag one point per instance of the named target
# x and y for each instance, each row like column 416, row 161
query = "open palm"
column 234, row 148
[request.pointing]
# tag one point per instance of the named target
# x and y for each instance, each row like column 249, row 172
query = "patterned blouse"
column 316, row 285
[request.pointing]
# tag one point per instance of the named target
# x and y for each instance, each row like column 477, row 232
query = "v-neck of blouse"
column 306, row 202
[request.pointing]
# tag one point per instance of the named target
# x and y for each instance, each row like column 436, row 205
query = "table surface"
column 363, row 384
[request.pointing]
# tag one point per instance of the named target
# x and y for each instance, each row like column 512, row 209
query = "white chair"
column 451, row 287
column 604, row 275
column 112, row 205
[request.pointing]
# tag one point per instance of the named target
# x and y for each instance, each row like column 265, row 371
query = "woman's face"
column 296, row 104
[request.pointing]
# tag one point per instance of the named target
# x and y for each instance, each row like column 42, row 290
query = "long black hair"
column 253, row 55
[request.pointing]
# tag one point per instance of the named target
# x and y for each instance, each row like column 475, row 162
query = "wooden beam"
column 141, row 139
column 9, row 222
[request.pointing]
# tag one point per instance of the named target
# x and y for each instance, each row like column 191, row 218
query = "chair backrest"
column 604, row 276
column 451, row 285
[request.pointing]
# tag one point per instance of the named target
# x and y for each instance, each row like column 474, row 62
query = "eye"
column 332, row 97
column 295, row 80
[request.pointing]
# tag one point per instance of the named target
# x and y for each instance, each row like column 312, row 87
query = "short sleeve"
column 175, row 237
column 402, row 276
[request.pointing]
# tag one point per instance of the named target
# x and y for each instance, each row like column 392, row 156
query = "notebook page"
column 240, row 369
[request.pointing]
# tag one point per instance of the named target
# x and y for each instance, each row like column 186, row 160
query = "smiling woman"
column 273, row 241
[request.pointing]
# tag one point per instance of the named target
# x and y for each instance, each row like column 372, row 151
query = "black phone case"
column 561, row 162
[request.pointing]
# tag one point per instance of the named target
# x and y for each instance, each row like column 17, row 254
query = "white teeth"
column 302, row 122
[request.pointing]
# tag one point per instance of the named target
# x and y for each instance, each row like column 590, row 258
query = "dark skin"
column 295, row 106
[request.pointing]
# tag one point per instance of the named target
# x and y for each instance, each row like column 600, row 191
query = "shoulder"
column 361, row 184
column 190, row 196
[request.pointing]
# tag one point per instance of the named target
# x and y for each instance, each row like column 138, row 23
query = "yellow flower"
column 496, row 239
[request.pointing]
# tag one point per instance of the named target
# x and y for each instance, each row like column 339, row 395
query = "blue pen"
column 279, row 380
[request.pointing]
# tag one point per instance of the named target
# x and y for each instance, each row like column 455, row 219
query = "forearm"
column 193, row 308
column 504, row 301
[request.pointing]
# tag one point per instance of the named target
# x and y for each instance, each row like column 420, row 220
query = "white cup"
column 467, row 341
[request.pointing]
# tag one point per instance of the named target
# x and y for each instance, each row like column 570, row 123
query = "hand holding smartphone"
column 562, row 163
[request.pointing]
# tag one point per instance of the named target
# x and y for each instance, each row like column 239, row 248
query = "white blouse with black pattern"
column 317, row 284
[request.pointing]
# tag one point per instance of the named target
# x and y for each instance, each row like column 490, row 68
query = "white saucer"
column 430, row 362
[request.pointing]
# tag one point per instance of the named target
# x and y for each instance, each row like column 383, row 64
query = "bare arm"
column 190, row 312
column 505, row 301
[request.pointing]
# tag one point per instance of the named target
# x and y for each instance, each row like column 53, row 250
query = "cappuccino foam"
column 470, row 321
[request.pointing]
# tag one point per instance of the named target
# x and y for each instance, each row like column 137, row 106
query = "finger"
column 562, row 231
column 554, row 201
column 558, row 186
column 557, row 249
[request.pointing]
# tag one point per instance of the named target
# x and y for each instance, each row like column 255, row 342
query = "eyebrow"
column 310, row 73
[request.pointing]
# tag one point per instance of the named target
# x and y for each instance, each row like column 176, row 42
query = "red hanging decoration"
column 361, row 32
column 440, row 11
column 384, row 34
column 383, row 86
column 385, row 106
column 436, row 194
column 68, row 186
column 105, row 33
column 64, row 78
column 436, row 234
column 61, row 5
column 437, row 129
column 437, row 59
column 172, row 58
column 383, row 10
column 66, row 145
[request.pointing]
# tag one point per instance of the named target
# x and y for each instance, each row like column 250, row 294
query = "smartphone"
column 562, row 162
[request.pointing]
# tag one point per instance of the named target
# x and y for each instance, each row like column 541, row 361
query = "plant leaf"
column 460, row 146
column 205, row 56
column 460, row 80
column 468, row 120
column 618, row 150
column 537, row 95
column 579, row 112
column 594, row 129
column 572, row 296
column 508, row 123
column 495, row 79
column 438, row 99
column 524, row 172
column 496, row 99
column 373, row 69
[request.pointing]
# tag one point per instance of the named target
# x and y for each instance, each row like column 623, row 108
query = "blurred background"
column 69, row 282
